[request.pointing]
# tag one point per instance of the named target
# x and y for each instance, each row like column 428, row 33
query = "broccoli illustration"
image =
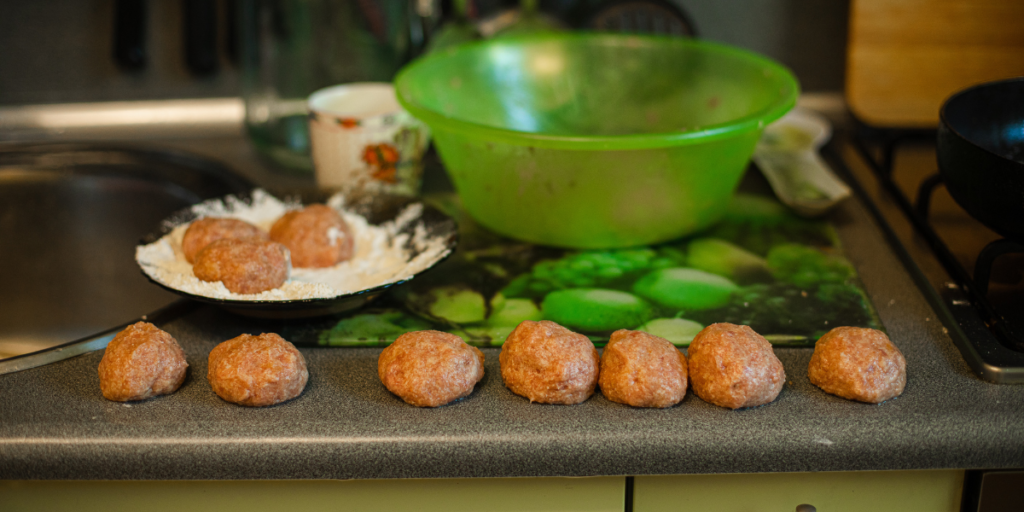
column 592, row 269
column 806, row 266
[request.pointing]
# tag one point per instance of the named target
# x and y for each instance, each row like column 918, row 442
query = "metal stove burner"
column 989, row 337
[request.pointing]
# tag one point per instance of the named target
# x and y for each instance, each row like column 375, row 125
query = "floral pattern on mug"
column 347, row 122
column 383, row 160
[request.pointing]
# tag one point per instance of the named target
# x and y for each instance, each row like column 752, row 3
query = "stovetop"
column 896, row 171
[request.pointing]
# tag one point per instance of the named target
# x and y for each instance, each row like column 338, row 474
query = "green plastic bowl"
column 595, row 140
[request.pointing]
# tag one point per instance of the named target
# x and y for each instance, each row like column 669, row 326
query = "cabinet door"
column 604, row 494
column 906, row 491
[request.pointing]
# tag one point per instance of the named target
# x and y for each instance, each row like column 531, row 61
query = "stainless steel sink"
column 70, row 218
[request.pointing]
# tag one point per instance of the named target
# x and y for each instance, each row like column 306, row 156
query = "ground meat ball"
column 857, row 363
column 548, row 363
column 316, row 235
column 642, row 370
column 245, row 266
column 257, row 370
column 203, row 232
column 140, row 362
column 733, row 366
column 430, row 368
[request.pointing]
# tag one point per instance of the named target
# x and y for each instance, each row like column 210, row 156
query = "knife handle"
column 200, row 21
column 130, row 34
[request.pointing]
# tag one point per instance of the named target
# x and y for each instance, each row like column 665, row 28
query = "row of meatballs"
column 144, row 361
column 729, row 366
column 249, row 260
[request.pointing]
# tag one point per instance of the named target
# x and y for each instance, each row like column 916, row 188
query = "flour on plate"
column 381, row 254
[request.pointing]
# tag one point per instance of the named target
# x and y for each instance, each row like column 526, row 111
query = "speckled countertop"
column 54, row 423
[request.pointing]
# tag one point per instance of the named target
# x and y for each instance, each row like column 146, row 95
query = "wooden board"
column 905, row 57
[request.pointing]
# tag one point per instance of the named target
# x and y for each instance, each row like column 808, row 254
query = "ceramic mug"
column 363, row 142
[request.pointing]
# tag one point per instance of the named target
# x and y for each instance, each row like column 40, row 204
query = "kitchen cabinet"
column 597, row 494
column 910, row 491
column 853, row 491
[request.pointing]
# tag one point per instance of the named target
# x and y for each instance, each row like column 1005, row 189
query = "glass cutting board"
column 762, row 266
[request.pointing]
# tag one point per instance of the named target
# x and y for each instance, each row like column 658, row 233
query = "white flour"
column 380, row 255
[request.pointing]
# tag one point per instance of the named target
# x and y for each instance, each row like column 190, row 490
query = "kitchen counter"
column 54, row 424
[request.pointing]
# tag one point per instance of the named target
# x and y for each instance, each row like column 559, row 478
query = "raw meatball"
column 257, row 370
column 140, row 362
column 858, row 364
column 203, row 232
column 246, row 266
column 548, row 363
column 430, row 368
column 316, row 235
column 733, row 366
column 642, row 370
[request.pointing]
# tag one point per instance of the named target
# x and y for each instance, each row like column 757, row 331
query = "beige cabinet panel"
column 449, row 495
column 906, row 491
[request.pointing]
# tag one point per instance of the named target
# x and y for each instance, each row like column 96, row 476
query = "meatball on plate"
column 204, row 231
column 246, row 265
column 316, row 235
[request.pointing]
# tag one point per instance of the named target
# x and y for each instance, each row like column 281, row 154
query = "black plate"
column 376, row 210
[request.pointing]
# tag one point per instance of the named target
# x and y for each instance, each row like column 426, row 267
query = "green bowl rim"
column 789, row 91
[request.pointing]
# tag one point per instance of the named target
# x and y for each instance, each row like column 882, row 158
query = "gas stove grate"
column 992, row 345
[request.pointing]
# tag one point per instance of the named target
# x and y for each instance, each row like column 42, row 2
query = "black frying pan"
column 981, row 153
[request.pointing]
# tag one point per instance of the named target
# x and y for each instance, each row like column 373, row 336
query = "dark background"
column 59, row 51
